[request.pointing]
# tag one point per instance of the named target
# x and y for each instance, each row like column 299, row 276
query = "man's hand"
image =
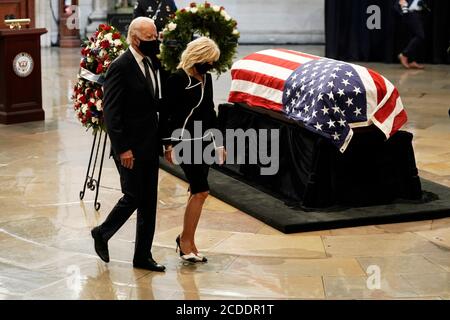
column 402, row 2
column 127, row 159
column 168, row 154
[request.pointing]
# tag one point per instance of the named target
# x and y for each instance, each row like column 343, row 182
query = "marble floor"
column 46, row 251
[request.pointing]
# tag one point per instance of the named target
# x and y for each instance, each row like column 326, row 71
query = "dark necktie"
column 148, row 68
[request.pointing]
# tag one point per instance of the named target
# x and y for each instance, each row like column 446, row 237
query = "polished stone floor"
column 46, row 251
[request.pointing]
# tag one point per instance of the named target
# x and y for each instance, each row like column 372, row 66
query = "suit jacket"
column 131, row 110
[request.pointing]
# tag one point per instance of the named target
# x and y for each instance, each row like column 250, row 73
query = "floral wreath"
column 105, row 45
column 205, row 20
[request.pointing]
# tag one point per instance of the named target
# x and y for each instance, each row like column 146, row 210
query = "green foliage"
column 200, row 20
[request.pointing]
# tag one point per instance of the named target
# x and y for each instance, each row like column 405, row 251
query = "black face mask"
column 149, row 48
column 203, row 68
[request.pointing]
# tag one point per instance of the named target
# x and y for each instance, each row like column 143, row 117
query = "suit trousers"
column 413, row 21
column 140, row 191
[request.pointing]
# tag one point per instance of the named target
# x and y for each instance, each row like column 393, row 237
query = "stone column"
column 98, row 15
column 44, row 19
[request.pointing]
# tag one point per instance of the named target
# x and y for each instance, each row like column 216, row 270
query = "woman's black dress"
column 189, row 100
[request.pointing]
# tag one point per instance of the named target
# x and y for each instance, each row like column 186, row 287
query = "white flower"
column 84, row 108
column 94, row 120
column 92, row 100
column 106, row 62
column 172, row 26
column 117, row 42
column 90, row 59
column 194, row 10
column 227, row 18
column 99, row 105
column 161, row 47
column 115, row 49
column 235, row 32
column 216, row 8
column 102, row 52
column 223, row 13
column 108, row 36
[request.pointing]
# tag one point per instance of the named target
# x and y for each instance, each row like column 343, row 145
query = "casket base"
column 314, row 174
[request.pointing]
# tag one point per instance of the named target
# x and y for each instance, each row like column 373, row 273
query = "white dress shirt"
column 140, row 62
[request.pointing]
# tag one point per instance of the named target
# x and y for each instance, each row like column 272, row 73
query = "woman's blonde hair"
column 199, row 50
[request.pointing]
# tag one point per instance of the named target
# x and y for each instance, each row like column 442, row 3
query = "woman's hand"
column 222, row 154
column 168, row 154
column 402, row 3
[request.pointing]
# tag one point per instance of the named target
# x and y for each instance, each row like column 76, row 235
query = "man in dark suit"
column 411, row 12
column 132, row 99
column 158, row 10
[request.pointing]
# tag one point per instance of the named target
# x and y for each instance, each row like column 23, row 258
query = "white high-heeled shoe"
column 192, row 257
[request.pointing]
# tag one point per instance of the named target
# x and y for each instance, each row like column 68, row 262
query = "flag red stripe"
column 299, row 54
column 254, row 101
column 385, row 111
column 258, row 78
column 273, row 60
column 399, row 121
column 379, row 83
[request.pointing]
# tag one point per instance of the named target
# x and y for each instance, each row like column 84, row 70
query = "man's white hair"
column 134, row 29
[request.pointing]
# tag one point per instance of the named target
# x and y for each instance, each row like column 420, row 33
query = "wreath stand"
column 90, row 181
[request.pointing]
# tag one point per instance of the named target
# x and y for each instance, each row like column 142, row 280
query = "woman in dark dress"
column 189, row 100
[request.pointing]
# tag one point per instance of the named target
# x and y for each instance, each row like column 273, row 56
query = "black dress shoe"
column 101, row 246
column 149, row 264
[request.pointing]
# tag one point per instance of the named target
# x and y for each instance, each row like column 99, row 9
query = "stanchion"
column 90, row 181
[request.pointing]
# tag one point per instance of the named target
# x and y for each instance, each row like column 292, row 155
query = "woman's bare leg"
column 191, row 218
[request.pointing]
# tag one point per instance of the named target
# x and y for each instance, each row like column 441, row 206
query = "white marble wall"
column 259, row 21
column 44, row 19
column 275, row 21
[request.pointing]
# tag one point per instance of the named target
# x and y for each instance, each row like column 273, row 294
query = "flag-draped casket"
column 327, row 96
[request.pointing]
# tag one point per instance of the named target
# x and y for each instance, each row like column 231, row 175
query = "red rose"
column 222, row 8
column 104, row 44
column 107, row 28
column 99, row 93
column 83, row 99
column 183, row 10
column 193, row 5
column 99, row 68
column 101, row 26
column 116, row 35
column 83, row 64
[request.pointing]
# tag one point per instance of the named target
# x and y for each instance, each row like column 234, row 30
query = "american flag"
column 329, row 97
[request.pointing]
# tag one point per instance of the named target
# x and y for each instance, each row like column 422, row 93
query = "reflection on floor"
column 46, row 251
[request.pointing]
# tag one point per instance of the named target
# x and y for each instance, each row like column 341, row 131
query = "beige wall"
column 275, row 21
